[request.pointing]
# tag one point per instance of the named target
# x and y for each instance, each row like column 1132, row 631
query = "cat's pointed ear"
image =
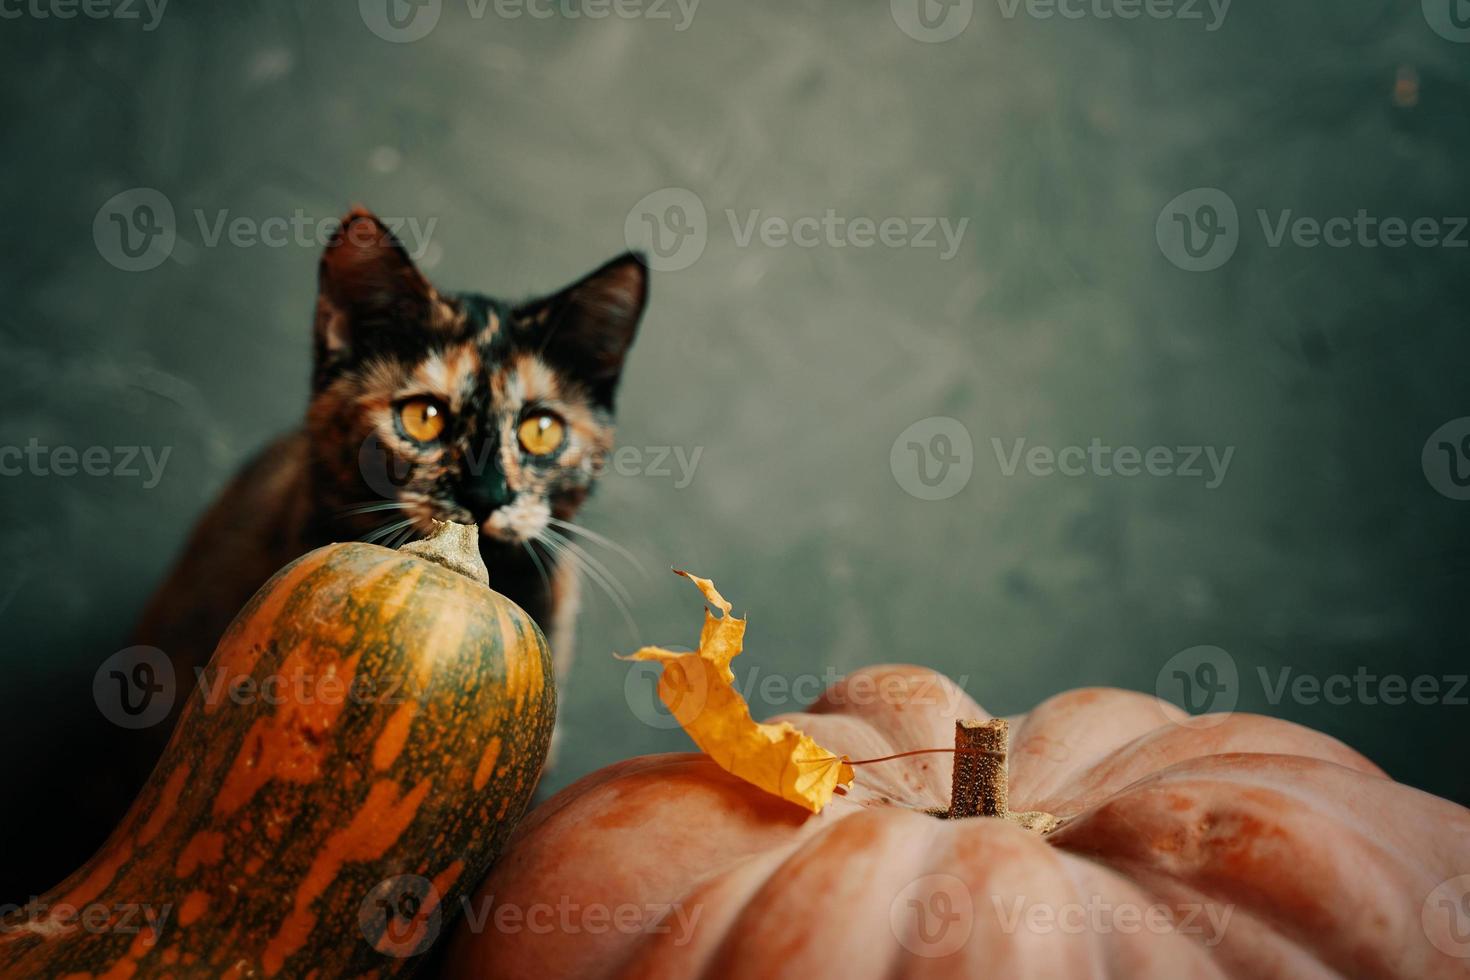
column 365, row 281
column 589, row 327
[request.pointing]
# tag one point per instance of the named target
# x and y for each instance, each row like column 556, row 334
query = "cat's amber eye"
column 422, row 419
column 541, row 433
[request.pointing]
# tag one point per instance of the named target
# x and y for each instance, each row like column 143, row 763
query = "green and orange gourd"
column 398, row 718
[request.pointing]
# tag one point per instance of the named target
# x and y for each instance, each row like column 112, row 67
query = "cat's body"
column 425, row 406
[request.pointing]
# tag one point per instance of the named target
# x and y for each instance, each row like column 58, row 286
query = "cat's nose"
column 485, row 493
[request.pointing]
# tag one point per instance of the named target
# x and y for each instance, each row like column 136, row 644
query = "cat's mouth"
column 523, row 519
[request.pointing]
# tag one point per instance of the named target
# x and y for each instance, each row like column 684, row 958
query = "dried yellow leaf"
column 698, row 689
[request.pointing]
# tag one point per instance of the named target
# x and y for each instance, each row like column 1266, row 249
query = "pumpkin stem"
column 979, row 788
column 981, row 783
column 456, row 547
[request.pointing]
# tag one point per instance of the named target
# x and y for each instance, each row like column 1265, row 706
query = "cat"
column 424, row 405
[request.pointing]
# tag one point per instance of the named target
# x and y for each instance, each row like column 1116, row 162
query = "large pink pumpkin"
column 1240, row 846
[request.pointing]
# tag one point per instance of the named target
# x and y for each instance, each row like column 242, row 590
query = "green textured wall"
column 1333, row 546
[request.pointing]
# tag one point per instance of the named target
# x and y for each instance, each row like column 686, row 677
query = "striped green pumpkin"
column 369, row 730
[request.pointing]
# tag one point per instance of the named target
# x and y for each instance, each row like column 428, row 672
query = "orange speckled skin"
column 1324, row 863
column 271, row 818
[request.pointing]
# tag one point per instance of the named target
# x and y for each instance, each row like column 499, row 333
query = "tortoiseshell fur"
column 384, row 334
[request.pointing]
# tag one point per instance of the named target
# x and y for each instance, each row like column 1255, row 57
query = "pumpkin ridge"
column 815, row 853
column 1212, row 857
column 1172, row 890
column 745, row 877
column 1166, row 746
column 1095, row 713
column 1227, row 768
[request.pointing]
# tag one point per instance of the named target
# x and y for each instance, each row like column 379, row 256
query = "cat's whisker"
column 386, row 530
column 372, row 508
column 540, row 566
column 560, row 550
column 403, row 537
column 603, row 540
column 599, row 566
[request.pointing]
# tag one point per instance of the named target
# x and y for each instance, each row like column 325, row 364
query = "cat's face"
column 431, row 405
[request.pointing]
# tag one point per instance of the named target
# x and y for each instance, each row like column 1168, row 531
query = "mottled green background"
column 792, row 370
